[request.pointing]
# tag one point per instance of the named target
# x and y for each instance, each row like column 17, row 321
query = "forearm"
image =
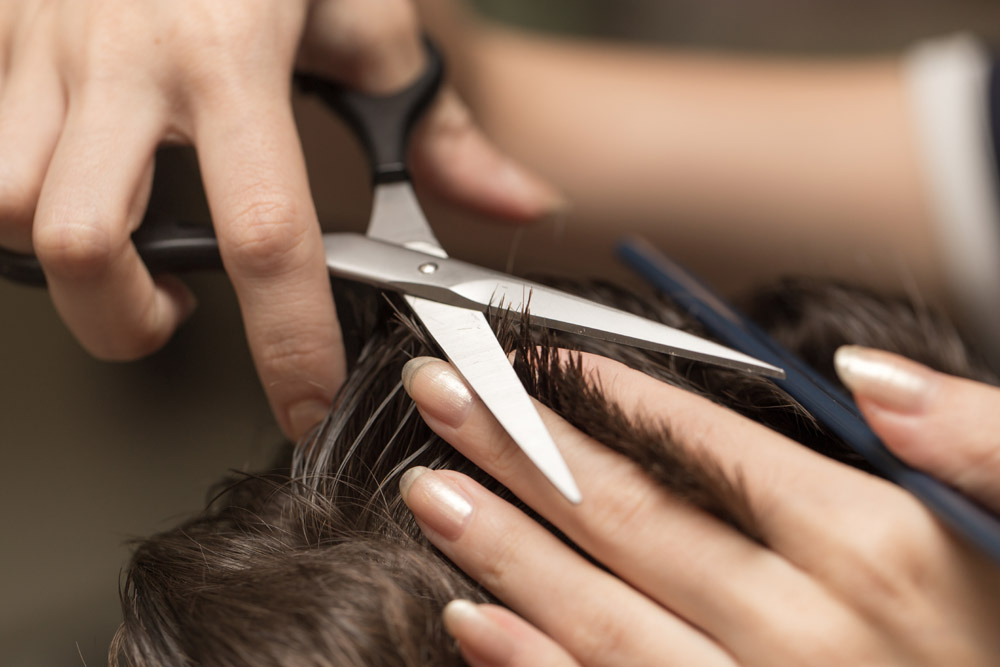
column 746, row 168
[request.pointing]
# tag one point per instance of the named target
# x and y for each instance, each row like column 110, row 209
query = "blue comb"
column 830, row 406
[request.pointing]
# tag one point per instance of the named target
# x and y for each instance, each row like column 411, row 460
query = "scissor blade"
column 422, row 273
column 470, row 344
column 559, row 310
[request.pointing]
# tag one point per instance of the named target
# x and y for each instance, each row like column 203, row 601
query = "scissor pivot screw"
column 427, row 267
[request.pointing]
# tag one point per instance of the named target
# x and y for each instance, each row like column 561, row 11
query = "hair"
column 318, row 562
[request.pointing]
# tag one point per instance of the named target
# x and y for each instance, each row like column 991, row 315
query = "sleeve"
column 954, row 91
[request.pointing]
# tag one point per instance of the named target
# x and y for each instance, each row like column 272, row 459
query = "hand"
column 847, row 568
column 90, row 88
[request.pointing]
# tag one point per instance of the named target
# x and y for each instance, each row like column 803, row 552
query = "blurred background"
column 97, row 454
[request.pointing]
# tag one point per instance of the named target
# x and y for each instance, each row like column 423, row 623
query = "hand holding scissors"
column 399, row 252
column 88, row 90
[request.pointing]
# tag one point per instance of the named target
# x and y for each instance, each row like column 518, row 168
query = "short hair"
column 318, row 562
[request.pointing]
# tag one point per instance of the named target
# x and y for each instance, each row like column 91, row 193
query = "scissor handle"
column 166, row 246
column 20, row 268
column 382, row 122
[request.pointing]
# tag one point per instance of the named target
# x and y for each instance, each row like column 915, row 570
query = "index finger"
column 269, row 237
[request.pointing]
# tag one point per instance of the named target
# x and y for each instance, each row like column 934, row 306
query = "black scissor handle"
column 382, row 122
column 165, row 246
column 21, row 268
column 169, row 246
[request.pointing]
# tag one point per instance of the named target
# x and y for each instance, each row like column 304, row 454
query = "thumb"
column 454, row 158
column 377, row 47
column 946, row 426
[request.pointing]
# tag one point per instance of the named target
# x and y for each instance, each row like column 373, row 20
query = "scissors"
column 399, row 252
column 830, row 406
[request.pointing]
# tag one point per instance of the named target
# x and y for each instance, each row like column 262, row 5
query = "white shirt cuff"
column 948, row 86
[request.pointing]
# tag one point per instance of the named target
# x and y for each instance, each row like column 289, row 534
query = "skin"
column 852, row 569
column 88, row 91
column 746, row 167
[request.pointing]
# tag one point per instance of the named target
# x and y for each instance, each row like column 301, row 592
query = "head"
column 318, row 562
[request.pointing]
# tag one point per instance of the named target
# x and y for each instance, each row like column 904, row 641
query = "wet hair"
column 318, row 562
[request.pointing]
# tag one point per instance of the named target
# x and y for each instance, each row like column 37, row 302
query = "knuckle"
column 292, row 354
column 501, row 454
column 385, row 25
column 379, row 43
column 113, row 35
column 981, row 464
column 216, row 41
column 621, row 515
column 833, row 642
column 886, row 555
column 603, row 639
column 500, row 560
column 264, row 233
column 75, row 248
column 215, row 26
column 395, row 23
column 794, row 636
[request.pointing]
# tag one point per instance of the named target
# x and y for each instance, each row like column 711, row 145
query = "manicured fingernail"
column 410, row 369
column 437, row 389
column 889, row 380
column 307, row 414
column 436, row 501
column 407, row 479
column 477, row 633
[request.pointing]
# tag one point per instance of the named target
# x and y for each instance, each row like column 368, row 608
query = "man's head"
column 319, row 563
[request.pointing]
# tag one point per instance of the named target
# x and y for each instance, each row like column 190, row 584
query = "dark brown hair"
column 319, row 563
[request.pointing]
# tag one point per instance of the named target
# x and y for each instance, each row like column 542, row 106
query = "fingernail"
column 440, row 392
column 306, row 415
column 557, row 215
column 436, row 501
column 477, row 633
column 523, row 185
column 407, row 479
column 188, row 306
column 891, row 381
column 411, row 367
column 558, row 210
